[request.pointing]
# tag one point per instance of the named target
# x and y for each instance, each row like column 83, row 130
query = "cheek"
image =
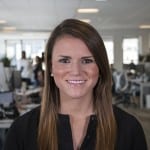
column 58, row 73
column 57, row 70
column 94, row 72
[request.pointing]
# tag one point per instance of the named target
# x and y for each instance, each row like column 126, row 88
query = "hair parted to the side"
column 106, row 126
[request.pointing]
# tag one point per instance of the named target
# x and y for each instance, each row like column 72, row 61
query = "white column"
column 145, row 43
column 118, row 52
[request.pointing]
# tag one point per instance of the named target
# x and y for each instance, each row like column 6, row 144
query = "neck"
column 77, row 108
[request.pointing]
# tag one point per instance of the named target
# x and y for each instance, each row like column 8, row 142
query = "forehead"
column 70, row 45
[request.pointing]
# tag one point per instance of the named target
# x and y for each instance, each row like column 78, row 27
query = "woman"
column 36, row 68
column 76, row 110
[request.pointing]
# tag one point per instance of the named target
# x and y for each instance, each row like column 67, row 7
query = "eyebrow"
column 85, row 57
column 64, row 56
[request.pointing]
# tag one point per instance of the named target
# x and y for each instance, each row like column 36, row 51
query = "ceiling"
column 44, row 15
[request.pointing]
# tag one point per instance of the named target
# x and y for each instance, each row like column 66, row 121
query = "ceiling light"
column 86, row 20
column 9, row 28
column 101, row 0
column 2, row 21
column 88, row 10
column 144, row 27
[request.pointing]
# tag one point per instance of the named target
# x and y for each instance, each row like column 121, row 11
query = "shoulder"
column 23, row 130
column 127, row 124
column 27, row 120
column 129, row 131
column 31, row 115
column 124, row 118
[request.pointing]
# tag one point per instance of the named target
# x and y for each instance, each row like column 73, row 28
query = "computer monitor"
column 6, row 98
column 140, row 68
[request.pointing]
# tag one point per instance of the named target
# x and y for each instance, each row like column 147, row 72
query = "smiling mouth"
column 76, row 81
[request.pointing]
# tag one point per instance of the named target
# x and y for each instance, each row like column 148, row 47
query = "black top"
column 23, row 133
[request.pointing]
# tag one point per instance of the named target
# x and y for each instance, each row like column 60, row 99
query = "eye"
column 64, row 60
column 87, row 60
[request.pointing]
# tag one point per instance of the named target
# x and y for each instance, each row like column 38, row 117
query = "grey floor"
column 143, row 115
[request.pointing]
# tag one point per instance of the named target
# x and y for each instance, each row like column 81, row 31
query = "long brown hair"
column 106, row 124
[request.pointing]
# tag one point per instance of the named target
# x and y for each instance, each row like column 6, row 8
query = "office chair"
column 122, row 89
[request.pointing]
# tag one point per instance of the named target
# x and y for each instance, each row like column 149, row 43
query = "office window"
column 13, row 48
column 33, row 48
column 130, row 50
column 110, row 50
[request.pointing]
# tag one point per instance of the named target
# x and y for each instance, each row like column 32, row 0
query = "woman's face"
column 74, row 68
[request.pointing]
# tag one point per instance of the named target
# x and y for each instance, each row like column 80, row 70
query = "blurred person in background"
column 36, row 68
column 25, row 67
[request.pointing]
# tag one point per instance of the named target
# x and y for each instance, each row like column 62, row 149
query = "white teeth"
column 76, row 81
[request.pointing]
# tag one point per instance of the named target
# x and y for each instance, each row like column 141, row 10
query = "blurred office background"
column 124, row 26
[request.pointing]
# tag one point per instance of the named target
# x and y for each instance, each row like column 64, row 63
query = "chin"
column 76, row 96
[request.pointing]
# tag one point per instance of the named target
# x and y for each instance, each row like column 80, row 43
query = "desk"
column 5, row 123
column 26, row 96
column 144, row 89
column 28, row 92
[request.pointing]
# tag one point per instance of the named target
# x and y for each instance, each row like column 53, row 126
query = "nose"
column 75, row 68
